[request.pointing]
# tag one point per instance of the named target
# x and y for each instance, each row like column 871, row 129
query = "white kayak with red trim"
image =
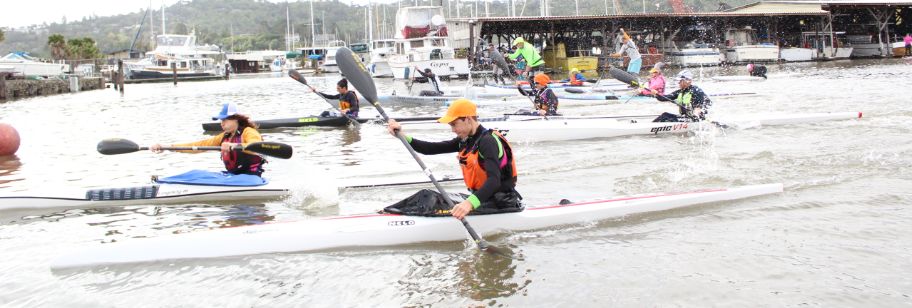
column 377, row 230
column 535, row 129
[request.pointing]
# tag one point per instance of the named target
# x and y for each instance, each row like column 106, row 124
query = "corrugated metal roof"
column 638, row 15
column 778, row 8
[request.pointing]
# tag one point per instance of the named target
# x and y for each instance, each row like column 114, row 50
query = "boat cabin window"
column 436, row 54
column 359, row 48
column 416, row 44
column 400, row 48
column 437, row 43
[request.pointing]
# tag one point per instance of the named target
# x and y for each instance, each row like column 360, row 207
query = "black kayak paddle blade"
column 293, row 73
column 624, row 77
column 116, row 146
column 273, row 149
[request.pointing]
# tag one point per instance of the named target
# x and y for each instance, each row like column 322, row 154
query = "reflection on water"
column 8, row 167
column 488, row 275
column 351, row 135
column 474, row 274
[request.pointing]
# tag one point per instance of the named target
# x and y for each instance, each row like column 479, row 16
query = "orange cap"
column 542, row 79
column 459, row 108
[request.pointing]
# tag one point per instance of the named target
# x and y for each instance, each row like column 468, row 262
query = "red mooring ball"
column 9, row 140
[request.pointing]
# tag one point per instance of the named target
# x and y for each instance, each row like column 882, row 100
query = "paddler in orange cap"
column 545, row 100
column 484, row 155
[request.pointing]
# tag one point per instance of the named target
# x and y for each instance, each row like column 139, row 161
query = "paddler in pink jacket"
column 656, row 82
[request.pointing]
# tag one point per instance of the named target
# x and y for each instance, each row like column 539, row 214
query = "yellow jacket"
column 249, row 135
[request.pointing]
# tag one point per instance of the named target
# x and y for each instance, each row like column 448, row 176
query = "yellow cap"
column 459, row 108
column 574, row 70
column 653, row 70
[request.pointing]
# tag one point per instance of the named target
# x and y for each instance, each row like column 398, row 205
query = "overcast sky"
column 17, row 13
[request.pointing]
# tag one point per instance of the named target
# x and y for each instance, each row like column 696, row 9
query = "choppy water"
column 837, row 236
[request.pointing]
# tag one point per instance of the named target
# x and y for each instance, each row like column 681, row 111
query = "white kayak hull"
column 414, row 100
column 573, row 99
column 377, row 230
column 536, row 129
column 143, row 195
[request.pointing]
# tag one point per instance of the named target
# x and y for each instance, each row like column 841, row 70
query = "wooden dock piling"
column 120, row 75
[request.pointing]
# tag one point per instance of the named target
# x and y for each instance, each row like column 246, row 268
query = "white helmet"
column 685, row 74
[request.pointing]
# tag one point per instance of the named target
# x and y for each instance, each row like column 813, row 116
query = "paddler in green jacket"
column 534, row 61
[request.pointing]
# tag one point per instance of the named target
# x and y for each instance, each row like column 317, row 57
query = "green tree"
column 58, row 46
column 1, row 36
column 180, row 28
column 83, row 48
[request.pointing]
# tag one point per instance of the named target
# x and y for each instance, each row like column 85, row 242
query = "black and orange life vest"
column 343, row 104
column 239, row 162
column 473, row 172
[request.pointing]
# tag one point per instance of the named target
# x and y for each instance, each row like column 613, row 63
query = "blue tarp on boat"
column 203, row 177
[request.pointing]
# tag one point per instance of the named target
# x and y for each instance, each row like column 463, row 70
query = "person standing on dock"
column 431, row 78
column 534, row 60
column 348, row 100
column 546, row 102
column 485, row 157
column 908, row 40
column 237, row 129
column 691, row 100
column 496, row 71
column 628, row 46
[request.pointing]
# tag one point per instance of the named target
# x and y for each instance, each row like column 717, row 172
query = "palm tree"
column 58, row 46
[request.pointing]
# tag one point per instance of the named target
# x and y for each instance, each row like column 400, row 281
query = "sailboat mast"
column 163, row 18
column 287, row 28
column 370, row 24
column 313, row 30
column 151, row 24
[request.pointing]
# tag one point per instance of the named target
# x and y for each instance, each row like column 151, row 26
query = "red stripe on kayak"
column 625, row 199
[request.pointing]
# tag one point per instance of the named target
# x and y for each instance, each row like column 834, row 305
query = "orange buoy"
column 9, row 140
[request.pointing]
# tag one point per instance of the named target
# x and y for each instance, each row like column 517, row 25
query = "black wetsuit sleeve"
column 425, row 75
column 524, row 92
column 352, row 100
column 324, row 95
column 431, row 148
column 488, row 149
column 700, row 99
column 668, row 97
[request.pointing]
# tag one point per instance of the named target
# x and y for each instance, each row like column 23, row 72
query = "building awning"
column 767, row 8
